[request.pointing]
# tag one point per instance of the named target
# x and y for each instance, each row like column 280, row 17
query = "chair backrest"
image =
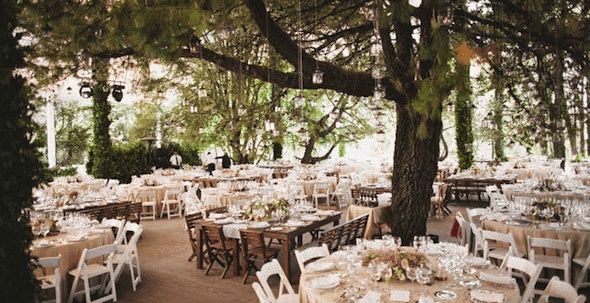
column 489, row 235
column 101, row 251
column 332, row 238
column 114, row 224
column 50, row 262
column 252, row 239
column 473, row 214
column 268, row 270
column 583, row 273
column 562, row 290
column 172, row 194
column 133, row 212
column 212, row 235
column 527, row 267
column 492, row 189
column 129, row 227
column 310, row 254
column 191, row 220
column 262, row 298
column 145, row 196
column 564, row 246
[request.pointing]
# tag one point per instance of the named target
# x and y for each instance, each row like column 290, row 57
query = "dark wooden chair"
column 360, row 225
column 133, row 212
column 191, row 223
column 219, row 249
column 332, row 238
column 254, row 248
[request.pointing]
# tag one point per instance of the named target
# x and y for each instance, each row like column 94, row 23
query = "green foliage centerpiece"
column 399, row 260
column 263, row 210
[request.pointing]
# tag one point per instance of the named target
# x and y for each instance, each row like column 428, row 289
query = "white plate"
column 485, row 296
column 325, row 282
column 276, row 228
column 259, row 225
column 310, row 218
column 223, row 221
column 319, row 266
column 240, row 221
column 295, row 224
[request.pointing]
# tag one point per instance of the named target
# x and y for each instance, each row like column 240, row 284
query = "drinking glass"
column 374, row 271
column 397, row 241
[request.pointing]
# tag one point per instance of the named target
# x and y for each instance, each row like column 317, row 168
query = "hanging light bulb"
column 415, row 3
column 193, row 109
column 85, row 90
column 201, row 93
column 317, row 77
column 275, row 133
column 277, row 109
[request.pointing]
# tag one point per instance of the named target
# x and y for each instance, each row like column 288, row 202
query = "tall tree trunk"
column 562, row 103
column 101, row 109
column 581, row 116
column 415, row 167
column 463, row 115
column 586, row 111
column 497, row 117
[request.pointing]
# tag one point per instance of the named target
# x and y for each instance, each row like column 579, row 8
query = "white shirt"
column 176, row 160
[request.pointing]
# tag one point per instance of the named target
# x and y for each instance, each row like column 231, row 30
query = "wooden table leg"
column 236, row 258
column 287, row 257
column 200, row 256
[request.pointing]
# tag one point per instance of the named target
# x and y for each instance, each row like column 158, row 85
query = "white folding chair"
column 50, row 281
column 585, row 263
column 561, row 290
column 464, row 228
column 171, row 198
column 297, row 192
column 473, row 214
column 528, row 268
column 562, row 262
column 86, row 271
column 114, row 223
column 262, row 298
column 492, row 189
column 342, row 193
column 478, row 241
column 126, row 255
column 147, row 198
column 321, row 190
column 270, row 269
column 491, row 250
column 310, row 254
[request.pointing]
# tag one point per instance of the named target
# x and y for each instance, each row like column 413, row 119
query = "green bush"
column 63, row 171
column 190, row 155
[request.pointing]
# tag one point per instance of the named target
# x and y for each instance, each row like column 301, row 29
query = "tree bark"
column 463, row 116
column 415, row 167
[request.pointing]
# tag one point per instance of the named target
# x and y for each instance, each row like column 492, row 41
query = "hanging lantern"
column 241, row 111
column 277, row 109
column 193, row 109
column 201, row 93
column 85, row 90
column 275, row 133
column 415, row 3
column 118, row 92
column 317, row 77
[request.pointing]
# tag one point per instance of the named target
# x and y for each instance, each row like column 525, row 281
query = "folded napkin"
column 425, row 299
column 497, row 279
column 371, row 297
column 479, row 295
column 399, row 296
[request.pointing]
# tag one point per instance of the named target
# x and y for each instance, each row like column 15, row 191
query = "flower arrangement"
column 72, row 197
column 262, row 210
column 400, row 261
column 150, row 181
column 548, row 209
column 549, row 185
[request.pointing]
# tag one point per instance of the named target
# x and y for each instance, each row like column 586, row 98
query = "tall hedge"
column 20, row 168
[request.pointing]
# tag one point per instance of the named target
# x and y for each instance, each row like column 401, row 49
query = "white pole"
column 158, row 129
column 50, row 123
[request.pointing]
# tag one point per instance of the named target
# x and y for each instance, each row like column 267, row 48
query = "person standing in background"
column 176, row 160
column 225, row 160
column 210, row 160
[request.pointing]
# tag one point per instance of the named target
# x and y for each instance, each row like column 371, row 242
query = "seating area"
column 125, row 210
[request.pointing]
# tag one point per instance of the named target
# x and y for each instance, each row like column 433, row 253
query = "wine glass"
column 375, row 271
column 397, row 242
column 411, row 274
column 416, row 242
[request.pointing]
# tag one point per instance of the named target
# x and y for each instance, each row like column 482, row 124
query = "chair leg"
column 87, row 290
column 73, row 290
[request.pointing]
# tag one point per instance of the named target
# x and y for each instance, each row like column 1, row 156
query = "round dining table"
column 384, row 290
column 70, row 248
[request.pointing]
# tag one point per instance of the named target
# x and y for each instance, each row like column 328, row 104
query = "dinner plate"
column 470, row 284
column 325, row 282
column 259, row 225
column 319, row 266
column 223, row 221
column 295, row 224
column 276, row 228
